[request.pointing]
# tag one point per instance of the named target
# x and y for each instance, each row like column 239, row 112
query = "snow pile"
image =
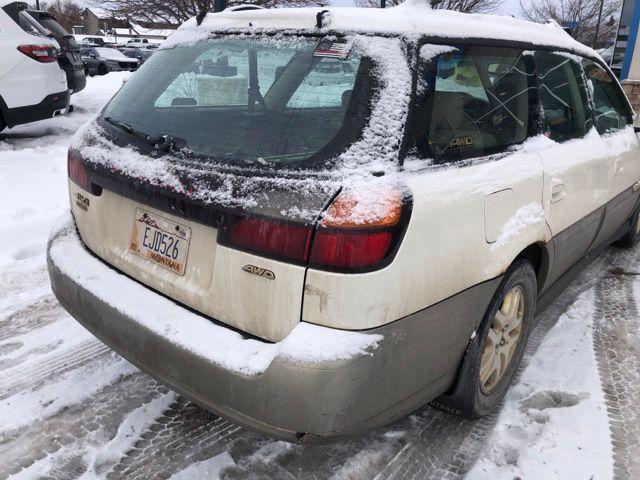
column 531, row 214
column 554, row 423
column 33, row 180
column 306, row 344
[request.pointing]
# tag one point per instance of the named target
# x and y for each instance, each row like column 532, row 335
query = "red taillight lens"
column 272, row 238
column 355, row 235
column 349, row 250
column 77, row 171
column 40, row 53
column 359, row 232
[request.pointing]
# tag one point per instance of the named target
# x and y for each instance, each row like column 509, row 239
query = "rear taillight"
column 360, row 233
column 40, row 53
column 272, row 238
column 77, row 171
column 355, row 234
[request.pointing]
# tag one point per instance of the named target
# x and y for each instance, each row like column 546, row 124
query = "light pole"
column 595, row 40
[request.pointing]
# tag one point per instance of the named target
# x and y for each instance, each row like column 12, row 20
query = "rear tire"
column 103, row 70
column 632, row 237
column 494, row 354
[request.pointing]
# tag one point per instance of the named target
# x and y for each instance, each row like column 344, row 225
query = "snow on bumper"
column 306, row 345
column 315, row 380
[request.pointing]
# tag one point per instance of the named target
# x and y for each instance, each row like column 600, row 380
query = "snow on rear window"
column 371, row 159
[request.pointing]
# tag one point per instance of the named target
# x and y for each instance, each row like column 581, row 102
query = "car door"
column 612, row 119
column 576, row 177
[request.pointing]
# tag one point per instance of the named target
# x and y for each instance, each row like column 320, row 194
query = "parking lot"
column 71, row 408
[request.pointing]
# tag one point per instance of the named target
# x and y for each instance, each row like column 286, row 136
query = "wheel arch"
column 540, row 256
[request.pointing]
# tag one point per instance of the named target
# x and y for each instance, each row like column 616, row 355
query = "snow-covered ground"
column 70, row 408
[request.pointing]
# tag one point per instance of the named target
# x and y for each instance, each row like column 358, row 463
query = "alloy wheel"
column 502, row 339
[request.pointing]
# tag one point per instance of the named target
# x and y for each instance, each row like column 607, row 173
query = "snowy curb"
column 307, row 344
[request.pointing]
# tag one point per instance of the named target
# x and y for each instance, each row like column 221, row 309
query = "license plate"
column 162, row 241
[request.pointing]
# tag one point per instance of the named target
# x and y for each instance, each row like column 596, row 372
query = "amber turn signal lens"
column 371, row 210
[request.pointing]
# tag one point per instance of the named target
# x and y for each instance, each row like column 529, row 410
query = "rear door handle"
column 619, row 167
column 558, row 192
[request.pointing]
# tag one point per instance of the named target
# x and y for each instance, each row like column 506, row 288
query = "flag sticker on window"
column 327, row 48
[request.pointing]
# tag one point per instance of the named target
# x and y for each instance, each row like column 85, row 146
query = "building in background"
column 627, row 53
column 624, row 28
column 103, row 23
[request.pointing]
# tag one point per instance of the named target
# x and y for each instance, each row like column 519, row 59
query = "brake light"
column 40, row 53
column 77, row 171
column 272, row 238
column 358, row 233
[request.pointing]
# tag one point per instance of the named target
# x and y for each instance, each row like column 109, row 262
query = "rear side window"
column 563, row 96
column 478, row 102
column 18, row 14
column 609, row 107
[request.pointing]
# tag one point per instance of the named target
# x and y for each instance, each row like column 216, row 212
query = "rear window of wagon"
column 292, row 101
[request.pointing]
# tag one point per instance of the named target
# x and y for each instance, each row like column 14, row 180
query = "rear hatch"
column 206, row 174
column 70, row 59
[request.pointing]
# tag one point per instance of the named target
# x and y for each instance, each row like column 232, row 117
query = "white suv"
column 32, row 84
column 315, row 221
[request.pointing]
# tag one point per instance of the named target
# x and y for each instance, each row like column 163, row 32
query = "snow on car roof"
column 411, row 19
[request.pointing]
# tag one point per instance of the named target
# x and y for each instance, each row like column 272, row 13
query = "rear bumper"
column 296, row 397
column 52, row 105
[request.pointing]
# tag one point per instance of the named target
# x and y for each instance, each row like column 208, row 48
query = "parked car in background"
column 33, row 86
column 318, row 234
column 138, row 53
column 70, row 58
column 138, row 42
column 93, row 41
column 102, row 60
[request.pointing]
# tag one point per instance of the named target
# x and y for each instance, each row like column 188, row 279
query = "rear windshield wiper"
column 161, row 142
column 125, row 127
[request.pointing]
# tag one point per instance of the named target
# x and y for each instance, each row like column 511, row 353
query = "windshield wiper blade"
column 124, row 126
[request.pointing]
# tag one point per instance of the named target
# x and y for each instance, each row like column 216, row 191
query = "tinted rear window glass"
column 54, row 27
column 478, row 103
column 247, row 101
column 563, row 96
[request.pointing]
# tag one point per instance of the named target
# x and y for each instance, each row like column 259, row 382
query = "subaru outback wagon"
column 313, row 222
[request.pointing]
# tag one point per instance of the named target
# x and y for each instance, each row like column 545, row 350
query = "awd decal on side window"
column 462, row 142
column 261, row 272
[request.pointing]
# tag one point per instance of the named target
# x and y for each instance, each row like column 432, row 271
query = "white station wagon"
column 313, row 221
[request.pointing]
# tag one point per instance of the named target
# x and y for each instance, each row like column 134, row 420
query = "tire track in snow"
column 50, row 371
column 37, row 313
column 56, row 445
column 616, row 341
column 183, row 435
